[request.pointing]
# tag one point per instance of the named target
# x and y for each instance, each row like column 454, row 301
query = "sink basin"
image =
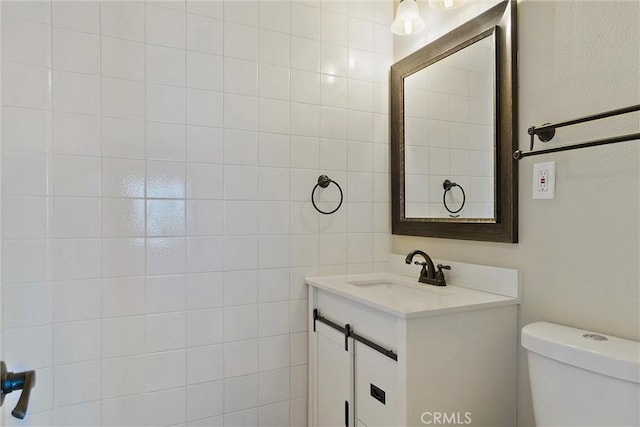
column 391, row 289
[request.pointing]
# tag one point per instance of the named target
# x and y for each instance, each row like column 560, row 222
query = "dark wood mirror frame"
column 504, row 228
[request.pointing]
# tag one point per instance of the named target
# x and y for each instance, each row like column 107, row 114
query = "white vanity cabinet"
column 455, row 365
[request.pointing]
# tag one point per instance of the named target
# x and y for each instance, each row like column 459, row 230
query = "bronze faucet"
column 428, row 274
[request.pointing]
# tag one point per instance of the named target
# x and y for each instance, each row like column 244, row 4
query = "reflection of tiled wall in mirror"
column 449, row 134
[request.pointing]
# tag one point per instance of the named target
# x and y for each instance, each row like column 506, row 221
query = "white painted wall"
column 158, row 159
column 578, row 254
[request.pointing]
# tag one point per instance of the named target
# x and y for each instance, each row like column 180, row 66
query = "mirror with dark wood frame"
column 453, row 132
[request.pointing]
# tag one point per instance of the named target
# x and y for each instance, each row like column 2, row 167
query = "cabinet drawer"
column 380, row 327
column 377, row 399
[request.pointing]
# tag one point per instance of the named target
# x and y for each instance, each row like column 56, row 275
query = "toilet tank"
column 582, row 378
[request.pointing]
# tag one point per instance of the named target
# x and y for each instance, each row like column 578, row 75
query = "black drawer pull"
column 378, row 394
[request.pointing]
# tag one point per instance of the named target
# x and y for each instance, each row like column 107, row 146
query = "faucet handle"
column 440, row 274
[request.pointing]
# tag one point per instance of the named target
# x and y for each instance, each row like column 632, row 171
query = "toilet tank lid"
column 615, row 357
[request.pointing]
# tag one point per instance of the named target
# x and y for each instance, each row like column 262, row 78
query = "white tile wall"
column 158, row 161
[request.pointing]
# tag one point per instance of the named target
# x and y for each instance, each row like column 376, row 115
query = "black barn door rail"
column 348, row 332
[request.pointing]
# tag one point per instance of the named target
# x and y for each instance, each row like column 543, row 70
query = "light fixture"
column 445, row 4
column 408, row 20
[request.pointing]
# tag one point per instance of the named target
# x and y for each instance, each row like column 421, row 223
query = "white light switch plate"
column 544, row 180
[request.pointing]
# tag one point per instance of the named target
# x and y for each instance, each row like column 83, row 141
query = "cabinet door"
column 334, row 378
column 377, row 398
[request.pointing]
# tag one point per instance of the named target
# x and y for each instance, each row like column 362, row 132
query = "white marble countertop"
column 402, row 297
column 471, row 287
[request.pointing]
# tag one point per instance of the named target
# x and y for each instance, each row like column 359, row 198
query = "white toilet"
column 580, row 378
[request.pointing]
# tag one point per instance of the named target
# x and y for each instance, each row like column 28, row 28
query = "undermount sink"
column 391, row 288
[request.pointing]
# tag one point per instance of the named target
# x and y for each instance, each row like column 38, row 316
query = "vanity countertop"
column 403, row 297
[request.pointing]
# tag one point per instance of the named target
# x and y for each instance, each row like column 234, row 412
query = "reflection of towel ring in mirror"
column 448, row 185
column 323, row 182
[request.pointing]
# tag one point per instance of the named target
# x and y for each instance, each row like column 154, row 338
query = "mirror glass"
column 453, row 132
column 449, row 116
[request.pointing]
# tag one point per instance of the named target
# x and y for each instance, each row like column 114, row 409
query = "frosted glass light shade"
column 408, row 20
column 445, row 4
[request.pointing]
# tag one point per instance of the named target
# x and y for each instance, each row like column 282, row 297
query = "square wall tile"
column 165, row 370
column 204, row 108
column 204, row 144
column 76, row 259
column 273, row 386
column 165, row 65
column 205, row 364
column 25, row 174
column 165, row 27
column 77, row 341
column 204, row 400
column 166, row 104
column 122, row 58
column 275, row 16
column 123, row 376
column 205, row 34
column 123, row 99
column 240, row 41
column 166, row 255
column 79, row 16
column 205, row 327
column 204, row 254
column 26, row 129
column 76, row 217
column 28, row 305
column 240, row 76
column 26, row 86
column 240, row 322
column 166, row 332
column 245, row 12
column 123, row 257
column 123, row 20
column 240, row 253
column 166, row 406
column 165, row 179
column 166, row 141
column 165, row 217
column 76, row 51
column 123, row 138
column 241, row 393
column 25, row 217
column 205, row 217
column 123, row 178
column 123, row 297
column 274, row 48
column 76, row 176
column 204, row 290
column 241, row 358
column 305, row 54
column 26, row 42
column 76, row 134
column 240, row 112
column 76, row 93
column 204, row 71
column 305, row 21
column 204, row 181
column 77, row 382
column 240, row 287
